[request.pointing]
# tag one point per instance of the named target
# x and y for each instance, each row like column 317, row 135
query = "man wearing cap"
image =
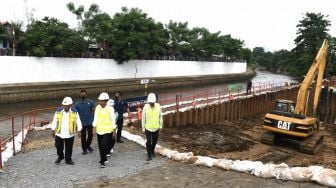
column 85, row 108
column 104, row 126
column 152, row 123
column 65, row 124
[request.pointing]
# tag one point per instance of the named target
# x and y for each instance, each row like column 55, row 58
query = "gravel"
column 37, row 168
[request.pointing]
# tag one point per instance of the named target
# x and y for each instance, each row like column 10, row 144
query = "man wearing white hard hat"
column 104, row 126
column 65, row 124
column 152, row 123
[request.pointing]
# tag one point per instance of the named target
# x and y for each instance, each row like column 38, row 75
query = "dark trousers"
column 104, row 143
column 86, row 141
column 152, row 138
column 248, row 91
column 120, row 123
column 59, row 143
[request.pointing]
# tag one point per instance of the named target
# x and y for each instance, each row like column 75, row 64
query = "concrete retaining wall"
column 47, row 69
column 10, row 93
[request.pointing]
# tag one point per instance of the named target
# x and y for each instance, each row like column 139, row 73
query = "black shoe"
column 84, row 152
column 90, row 149
column 120, row 141
column 70, row 162
column 102, row 166
column 153, row 154
column 149, row 158
column 58, row 160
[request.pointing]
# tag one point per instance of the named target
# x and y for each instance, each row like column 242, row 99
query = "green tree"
column 50, row 37
column 331, row 61
column 136, row 36
column 179, row 39
column 311, row 31
column 246, row 54
column 79, row 11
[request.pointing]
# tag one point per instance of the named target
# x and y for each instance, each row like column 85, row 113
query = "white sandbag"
column 245, row 165
column 269, row 170
column 182, row 156
column 39, row 128
column 44, row 127
column 170, row 153
column 324, row 176
column 162, row 151
column 301, row 174
column 135, row 138
column 223, row 164
column 207, row 161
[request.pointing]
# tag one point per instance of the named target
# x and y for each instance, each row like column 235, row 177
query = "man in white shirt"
column 65, row 124
column 104, row 126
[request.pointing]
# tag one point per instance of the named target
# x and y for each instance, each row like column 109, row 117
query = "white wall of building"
column 32, row 69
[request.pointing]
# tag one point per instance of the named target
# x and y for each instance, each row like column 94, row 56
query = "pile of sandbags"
column 279, row 171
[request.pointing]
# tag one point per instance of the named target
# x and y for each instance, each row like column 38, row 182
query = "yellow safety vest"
column 152, row 120
column 72, row 122
column 104, row 122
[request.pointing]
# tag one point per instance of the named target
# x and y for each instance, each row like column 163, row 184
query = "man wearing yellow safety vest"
column 65, row 124
column 152, row 123
column 104, row 126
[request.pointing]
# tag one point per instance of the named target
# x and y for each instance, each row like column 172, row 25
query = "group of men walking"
column 87, row 119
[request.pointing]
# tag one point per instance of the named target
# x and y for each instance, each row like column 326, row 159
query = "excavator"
column 294, row 121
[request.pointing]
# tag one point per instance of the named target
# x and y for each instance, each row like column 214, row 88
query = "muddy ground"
column 241, row 140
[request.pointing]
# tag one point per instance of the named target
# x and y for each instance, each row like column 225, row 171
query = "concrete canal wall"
column 47, row 69
column 11, row 93
column 30, row 78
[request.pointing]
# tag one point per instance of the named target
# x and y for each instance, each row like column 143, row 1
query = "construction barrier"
column 200, row 97
column 226, row 109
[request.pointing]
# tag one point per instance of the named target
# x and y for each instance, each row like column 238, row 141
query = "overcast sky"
column 267, row 23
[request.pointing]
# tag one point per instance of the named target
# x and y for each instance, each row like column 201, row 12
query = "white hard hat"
column 103, row 96
column 110, row 102
column 151, row 98
column 67, row 101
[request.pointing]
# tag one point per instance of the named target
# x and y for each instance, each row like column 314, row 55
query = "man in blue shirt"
column 120, row 106
column 85, row 108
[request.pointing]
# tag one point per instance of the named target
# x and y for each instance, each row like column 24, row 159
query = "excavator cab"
column 284, row 106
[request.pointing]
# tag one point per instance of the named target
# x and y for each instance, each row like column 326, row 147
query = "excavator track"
column 268, row 138
column 312, row 144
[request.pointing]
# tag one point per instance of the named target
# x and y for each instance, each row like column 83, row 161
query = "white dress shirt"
column 65, row 133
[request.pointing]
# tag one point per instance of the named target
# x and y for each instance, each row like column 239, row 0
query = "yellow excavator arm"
column 317, row 69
